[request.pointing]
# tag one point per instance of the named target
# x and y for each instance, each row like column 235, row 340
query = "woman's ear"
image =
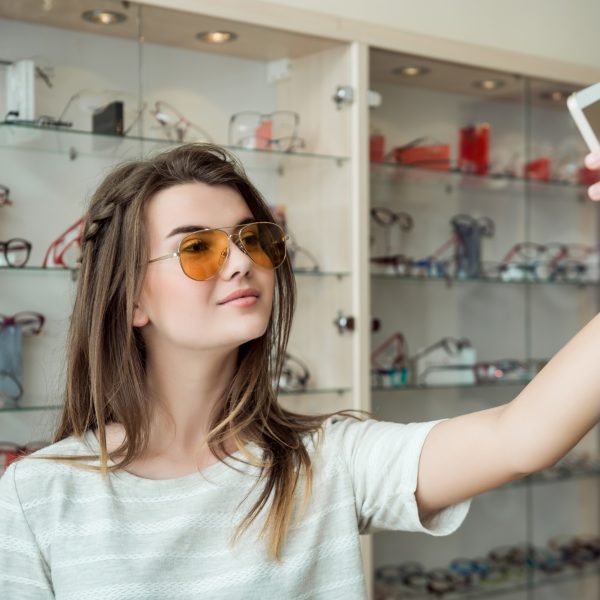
column 140, row 318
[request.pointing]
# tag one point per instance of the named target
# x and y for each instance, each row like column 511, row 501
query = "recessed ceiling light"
column 555, row 96
column 489, row 84
column 216, row 37
column 103, row 17
column 410, row 71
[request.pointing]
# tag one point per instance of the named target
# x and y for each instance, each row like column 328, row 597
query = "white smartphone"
column 584, row 107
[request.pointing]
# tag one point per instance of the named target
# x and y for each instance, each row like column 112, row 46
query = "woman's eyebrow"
column 192, row 228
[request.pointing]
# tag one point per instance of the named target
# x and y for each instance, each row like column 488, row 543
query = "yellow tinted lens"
column 264, row 243
column 203, row 253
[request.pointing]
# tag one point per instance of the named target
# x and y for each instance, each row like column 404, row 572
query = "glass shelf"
column 537, row 479
column 454, row 176
column 318, row 391
column 414, row 388
column 19, row 408
column 309, row 273
column 7, row 407
column 60, row 272
column 73, row 272
column 449, row 281
column 78, row 142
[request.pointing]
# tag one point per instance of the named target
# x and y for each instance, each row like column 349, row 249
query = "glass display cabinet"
column 174, row 87
column 484, row 263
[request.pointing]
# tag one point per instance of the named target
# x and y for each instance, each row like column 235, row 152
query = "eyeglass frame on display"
column 268, row 141
column 299, row 376
column 70, row 237
column 405, row 220
column 4, row 249
column 181, row 133
column 9, row 320
column 556, row 265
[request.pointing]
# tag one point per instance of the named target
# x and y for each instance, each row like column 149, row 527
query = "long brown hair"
column 106, row 354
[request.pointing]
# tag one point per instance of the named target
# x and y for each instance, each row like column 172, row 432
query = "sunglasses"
column 203, row 253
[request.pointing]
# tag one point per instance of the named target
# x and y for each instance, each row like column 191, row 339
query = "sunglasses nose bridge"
column 237, row 240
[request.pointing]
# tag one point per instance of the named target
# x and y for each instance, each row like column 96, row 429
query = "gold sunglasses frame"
column 232, row 237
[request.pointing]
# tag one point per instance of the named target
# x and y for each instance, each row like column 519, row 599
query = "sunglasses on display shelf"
column 530, row 261
column 554, row 261
column 65, row 251
column 42, row 121
column 276, row 130
column 517, row 560
column 406, row 266
column 580, row 463
column 577, row 551
column 436, row 582
column 31, row 322
column 477, row 570
column 203, row 253
column 575, row 265
column 465, row 245
column 570, row 466
column 14, row 253
column 502, row 565
column 387, row 217
column 400, row 264
column 297, row 252
column 302, row 260
column 176, row 126
column 4, row 196
column 294, row 375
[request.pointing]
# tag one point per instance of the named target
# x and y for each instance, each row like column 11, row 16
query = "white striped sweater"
column 66, row 534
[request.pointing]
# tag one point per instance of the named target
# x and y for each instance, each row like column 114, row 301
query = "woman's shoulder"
column 37, row 471
column 336, row 430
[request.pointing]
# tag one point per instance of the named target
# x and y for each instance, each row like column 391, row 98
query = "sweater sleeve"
column 24, row 573
column 382, row 460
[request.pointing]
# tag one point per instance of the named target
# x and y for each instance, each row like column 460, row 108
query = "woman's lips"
column 240, row 293
column 242, row 302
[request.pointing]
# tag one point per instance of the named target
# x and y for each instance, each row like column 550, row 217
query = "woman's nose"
column 237, row 259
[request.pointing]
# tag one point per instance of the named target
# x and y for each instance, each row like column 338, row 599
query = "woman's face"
column 175, row 310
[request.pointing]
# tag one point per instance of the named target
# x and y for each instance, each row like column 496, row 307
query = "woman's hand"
column 592, row 161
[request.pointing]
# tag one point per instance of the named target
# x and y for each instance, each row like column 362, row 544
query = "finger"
column 594, row 191
column 592, row 160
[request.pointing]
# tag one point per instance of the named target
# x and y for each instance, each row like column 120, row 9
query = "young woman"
column 174, row 473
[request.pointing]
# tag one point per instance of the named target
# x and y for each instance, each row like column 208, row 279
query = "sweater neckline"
column 217, row 471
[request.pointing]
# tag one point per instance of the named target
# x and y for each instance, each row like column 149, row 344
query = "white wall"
column 557, row 29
